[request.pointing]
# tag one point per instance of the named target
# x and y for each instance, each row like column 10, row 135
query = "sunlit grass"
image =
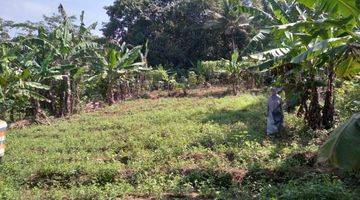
column 164, row 148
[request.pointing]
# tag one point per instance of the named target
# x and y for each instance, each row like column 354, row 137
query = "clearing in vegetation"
column 195, row 148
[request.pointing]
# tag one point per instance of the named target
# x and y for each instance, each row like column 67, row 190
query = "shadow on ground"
column 245, row 124
column 298, row 174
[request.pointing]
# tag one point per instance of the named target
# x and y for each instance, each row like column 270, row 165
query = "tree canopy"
column 177, row 30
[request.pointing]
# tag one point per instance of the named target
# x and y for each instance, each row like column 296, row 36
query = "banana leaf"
column 342, row 150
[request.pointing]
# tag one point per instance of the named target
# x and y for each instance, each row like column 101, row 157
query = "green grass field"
column 194, row 148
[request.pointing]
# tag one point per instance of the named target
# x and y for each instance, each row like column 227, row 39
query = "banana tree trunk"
column 110, row 95
column 313, row 117
column 67, row 97
column 12, row 114
column 76, row 97
column 125, row 89
column 234, row 84
column 329, row 110
column 142, row 84
column 36, row 109
column 38, row 112
column 52, row 97
column 303, row 104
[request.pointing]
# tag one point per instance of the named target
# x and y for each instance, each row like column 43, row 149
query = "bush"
column 172, row 84
column 348, row 99
column 201, row 80
column 158, row 77
column 192, row 79
column 211, row 70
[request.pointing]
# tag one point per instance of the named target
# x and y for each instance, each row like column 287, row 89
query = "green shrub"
column 348, row 99
column 158, row 77
column 211, row 70
column 192, row 79
column 201, row 80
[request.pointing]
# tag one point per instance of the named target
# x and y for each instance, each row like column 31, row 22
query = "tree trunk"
column 76, row 96
column 142, row 84
column 303, row 103
column 110, row 95
column 313, row 117
column 52, row 97
column 329, row 110
column 12, row 115
column 67, row 97
column 234, row 84
column 125, row 90
column 234, row 89
column 38, row 113
column 36, row 109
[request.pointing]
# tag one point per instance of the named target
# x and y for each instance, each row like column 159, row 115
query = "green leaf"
column 318, row 48
column 36, row 96
column 333, row 7
column 274, row 53
column 25, row 74
column 254, row 12
column 348, row 68
column 262, row 35
column 342, row 150
column 278, row 12
column 235, row 56
column 37, row 85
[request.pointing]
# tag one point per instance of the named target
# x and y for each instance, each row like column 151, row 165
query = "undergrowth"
column 194, row 148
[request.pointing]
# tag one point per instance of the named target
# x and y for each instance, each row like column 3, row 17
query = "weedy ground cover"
column 194, row 148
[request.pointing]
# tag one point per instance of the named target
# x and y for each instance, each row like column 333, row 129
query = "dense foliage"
column 179, row 32
column 316, row 45
column 49, row 71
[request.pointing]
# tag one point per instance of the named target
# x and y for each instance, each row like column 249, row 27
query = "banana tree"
column 16, row 86
column 61, row 59
column 73, row 48
column 113, row 64
column 316, row 47
column 234, row 69
column 331, row 46
column 277, row 13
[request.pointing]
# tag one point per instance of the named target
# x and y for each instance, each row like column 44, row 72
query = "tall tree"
column 175, row 30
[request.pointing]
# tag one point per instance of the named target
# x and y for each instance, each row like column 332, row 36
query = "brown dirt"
column 138, row 197
column 201, row 156
column 94, row 105
column 190, row 196
column 308, row 158
column 237, row 174
column 20, row 124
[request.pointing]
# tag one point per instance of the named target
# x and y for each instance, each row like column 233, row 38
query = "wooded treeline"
column 307, row 47
column 181, row 32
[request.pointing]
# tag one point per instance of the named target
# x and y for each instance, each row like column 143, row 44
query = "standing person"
column 275, row 116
